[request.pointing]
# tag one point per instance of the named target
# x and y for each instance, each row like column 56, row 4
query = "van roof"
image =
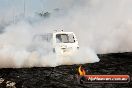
column 49, row 33
column 62, row 32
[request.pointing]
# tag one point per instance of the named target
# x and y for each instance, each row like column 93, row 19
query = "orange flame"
column 81, row 71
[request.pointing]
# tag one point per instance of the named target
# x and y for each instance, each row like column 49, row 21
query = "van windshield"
column 65, row 38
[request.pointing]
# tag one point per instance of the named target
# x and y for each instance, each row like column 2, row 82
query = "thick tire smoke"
column 17, row 49
column 102, row 26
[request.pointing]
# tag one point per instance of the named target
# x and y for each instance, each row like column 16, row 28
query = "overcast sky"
column 30, row 5
column 34, row 5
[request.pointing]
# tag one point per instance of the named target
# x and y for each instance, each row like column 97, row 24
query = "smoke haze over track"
column 101, row 26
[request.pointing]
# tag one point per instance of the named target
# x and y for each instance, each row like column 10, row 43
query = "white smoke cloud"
column 17, row 49
column 102, row 26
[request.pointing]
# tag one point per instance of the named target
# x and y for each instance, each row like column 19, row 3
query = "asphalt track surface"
column 66, row 76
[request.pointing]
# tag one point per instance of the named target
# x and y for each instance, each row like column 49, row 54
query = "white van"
column 61, row 43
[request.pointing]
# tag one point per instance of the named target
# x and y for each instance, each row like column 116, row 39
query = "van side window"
column 47, row 37
column 44, row 37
